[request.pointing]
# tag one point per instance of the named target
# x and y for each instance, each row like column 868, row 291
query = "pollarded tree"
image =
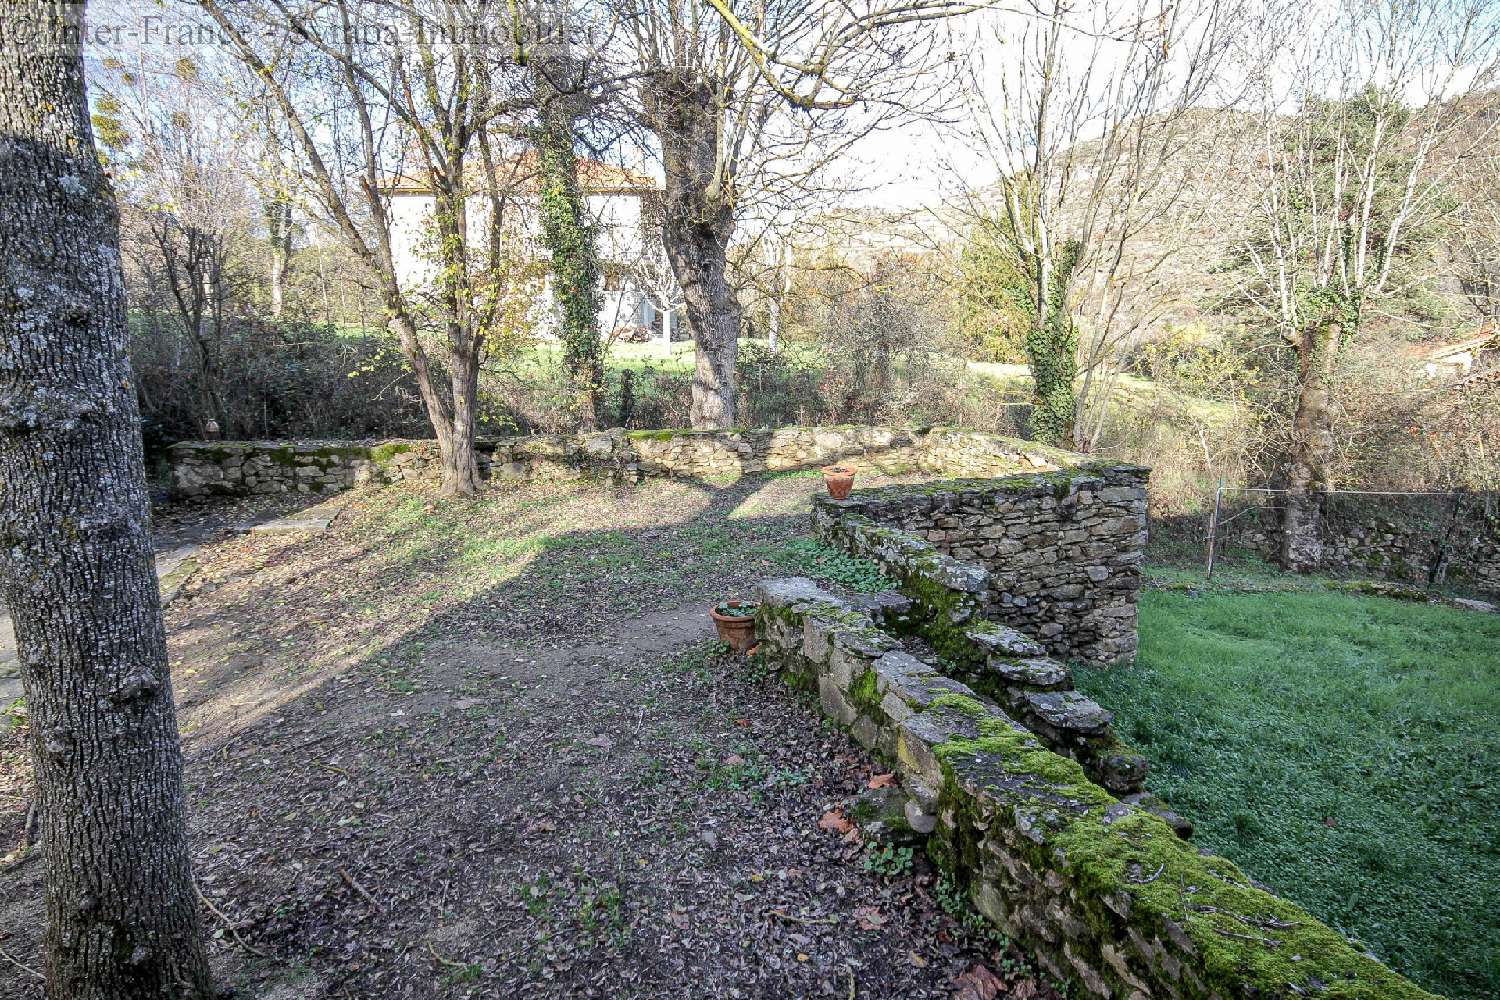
column 76, row 566
column 748, row 100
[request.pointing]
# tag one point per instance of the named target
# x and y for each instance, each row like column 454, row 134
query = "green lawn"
column 1342, row 749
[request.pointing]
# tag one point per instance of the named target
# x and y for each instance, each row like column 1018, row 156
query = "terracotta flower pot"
column 736, row 629
column 840, row 480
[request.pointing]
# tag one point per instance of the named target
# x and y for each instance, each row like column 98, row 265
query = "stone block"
column 1067, row 712
column 1037, row 672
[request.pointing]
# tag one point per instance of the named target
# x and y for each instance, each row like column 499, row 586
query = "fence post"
column 1213, row 529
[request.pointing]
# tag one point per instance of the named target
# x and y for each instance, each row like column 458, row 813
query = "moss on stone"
column 961, row 702
column 383, row 453
column 1248, row 942
column 657, row 435
column 864, row 692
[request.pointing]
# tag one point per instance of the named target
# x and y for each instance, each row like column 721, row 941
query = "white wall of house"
column 621, row 244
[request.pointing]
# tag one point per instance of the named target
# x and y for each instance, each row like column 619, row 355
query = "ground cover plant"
column 1341, row 748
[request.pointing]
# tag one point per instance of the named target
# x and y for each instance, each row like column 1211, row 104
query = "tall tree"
column 174, row 158
column 747, row 100
column 397, row 82
column 1087, row 115
column 76, row 566
column 1352, row 190
column 560, row 88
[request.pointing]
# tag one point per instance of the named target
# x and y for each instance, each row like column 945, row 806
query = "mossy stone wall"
column 1368, row 543
column 1104, row 894
column 246, row 467
column 1057, row 554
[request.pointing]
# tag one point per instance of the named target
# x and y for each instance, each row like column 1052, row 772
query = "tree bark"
column 279, row 238
column 76, row 565
column 697, row 224
column 1311, row 450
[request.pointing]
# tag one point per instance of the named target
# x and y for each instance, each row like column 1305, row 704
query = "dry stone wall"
column 245, row 467
column 1056, row 555
column 1101, row 891
column 1364, row 542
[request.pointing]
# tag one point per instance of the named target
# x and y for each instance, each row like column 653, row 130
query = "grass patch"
column 1342, row 749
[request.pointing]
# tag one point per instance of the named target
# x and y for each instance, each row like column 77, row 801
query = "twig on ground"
column 802, row 920
column 445, row 961
column 20, row 965
column 233, row 928
column 365, row 893
column 1267, row 942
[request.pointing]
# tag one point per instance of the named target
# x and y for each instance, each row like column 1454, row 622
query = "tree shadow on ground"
column 489, row 749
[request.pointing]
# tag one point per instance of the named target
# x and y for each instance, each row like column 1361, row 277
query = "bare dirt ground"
column 489, row 749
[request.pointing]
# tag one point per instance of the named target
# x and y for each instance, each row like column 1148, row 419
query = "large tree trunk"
column 279, row 238
column 453, row 423
column 698, row 221
column 1311, row 451
column 76, row 562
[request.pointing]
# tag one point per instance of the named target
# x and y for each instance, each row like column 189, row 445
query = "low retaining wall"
column 245, row 467
column 1102, row 892
column 1056, row 555
column 1364, row 542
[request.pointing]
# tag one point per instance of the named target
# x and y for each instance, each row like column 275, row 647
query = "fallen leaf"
column 834, row 822
column 869, row 918
column 978, row 983
column 883, row 781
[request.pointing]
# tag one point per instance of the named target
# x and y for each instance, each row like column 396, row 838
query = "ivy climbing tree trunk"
column 1052, row 348
column 569, row 238
column 76, row 567
column 1311, row 449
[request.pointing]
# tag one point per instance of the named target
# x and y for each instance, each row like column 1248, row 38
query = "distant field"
column 1344, row 749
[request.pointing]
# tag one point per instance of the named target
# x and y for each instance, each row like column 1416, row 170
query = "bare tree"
column 1087, row 117
column 746, row 101
column 1367, row 92
column 77, row 570
column 175, row 152
column 430, row 81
